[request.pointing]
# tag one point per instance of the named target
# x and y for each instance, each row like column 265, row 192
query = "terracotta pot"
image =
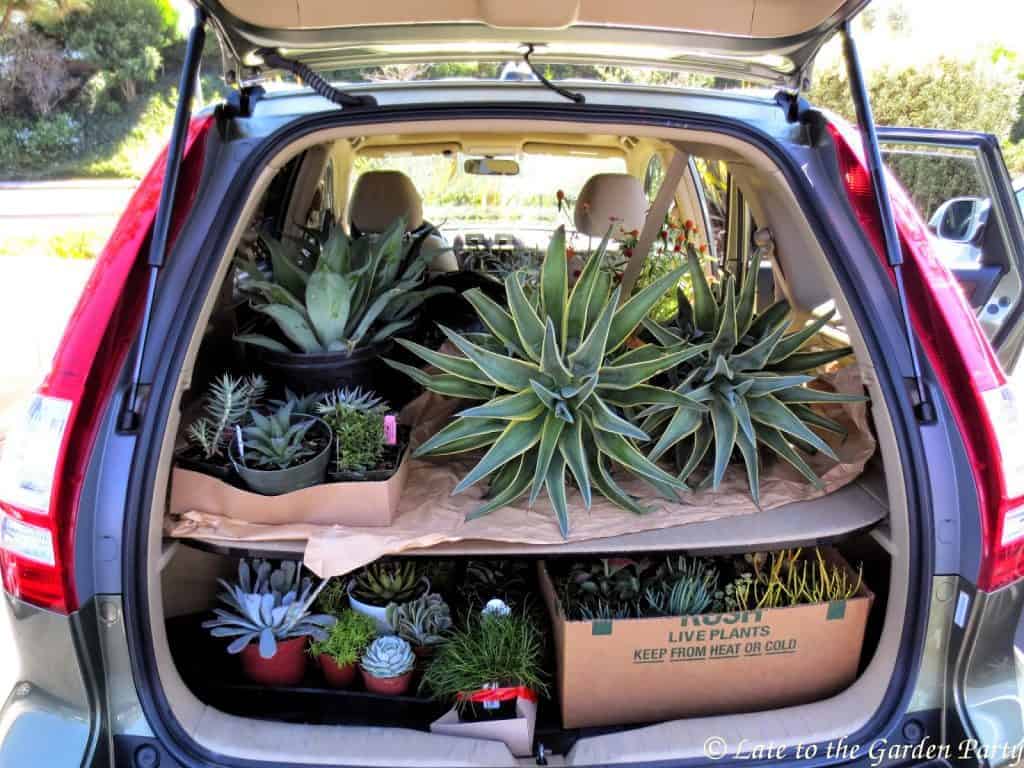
column 337, row 676
column 286, row 667
column 423, row 652
column 389, row 686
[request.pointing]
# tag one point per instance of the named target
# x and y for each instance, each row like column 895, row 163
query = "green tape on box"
column 600, row 627
column 836, row 610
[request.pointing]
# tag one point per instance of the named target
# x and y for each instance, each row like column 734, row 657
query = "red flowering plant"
column 668, row 252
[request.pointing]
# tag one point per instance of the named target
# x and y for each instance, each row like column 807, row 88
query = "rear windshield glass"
column 528, row 204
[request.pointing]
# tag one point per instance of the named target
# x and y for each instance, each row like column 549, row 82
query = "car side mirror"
column 957, row 221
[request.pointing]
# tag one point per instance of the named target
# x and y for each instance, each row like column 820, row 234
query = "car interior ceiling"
column 355, row 177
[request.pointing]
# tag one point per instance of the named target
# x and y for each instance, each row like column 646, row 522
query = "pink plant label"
column 390, row 429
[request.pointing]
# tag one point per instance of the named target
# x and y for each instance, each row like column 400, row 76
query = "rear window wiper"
column 273, row 59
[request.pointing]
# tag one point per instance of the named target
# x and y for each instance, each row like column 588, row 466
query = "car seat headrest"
column 380, row 197
column 608, row 197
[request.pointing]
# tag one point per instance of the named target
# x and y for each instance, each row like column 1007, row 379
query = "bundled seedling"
column 610, row 588
column 686, row 587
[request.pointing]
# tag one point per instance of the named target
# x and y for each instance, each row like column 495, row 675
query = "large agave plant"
column 554, row 372
column 361, row 291
column 267, row 604
column 750, row 373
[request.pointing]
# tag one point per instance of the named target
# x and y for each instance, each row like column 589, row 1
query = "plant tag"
column 491, row 704
column 241, row 444
column 390, row 429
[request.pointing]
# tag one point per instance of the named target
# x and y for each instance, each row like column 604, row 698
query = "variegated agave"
column 751, row 375
column 270, row 607
column 554, row 370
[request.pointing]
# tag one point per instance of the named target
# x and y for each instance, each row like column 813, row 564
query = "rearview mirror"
column 490, row 166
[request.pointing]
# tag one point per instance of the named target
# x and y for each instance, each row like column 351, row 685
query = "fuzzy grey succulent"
column 388, row 656
column 423, row 622
column 267, row 604
column 226, row 403
column 273, row 441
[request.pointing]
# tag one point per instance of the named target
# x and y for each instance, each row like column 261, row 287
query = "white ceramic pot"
column 377, row 613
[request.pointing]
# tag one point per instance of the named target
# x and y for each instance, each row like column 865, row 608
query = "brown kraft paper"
column 429, row 515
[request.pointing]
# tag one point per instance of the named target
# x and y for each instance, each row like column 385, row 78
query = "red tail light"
column 983, row 404
column 45, row 456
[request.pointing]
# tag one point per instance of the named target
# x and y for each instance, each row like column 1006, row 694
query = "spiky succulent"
column 555, row 374
column 749, row 372
column 354, row 399
column 384, row 582
column 361, row 291
column 424, row 622
column 276, row 440
column 689, row 589
column 226, row 403
column 388, row 656
column 267, row 604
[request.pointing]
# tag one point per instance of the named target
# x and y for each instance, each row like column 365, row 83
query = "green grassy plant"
column 347, row 638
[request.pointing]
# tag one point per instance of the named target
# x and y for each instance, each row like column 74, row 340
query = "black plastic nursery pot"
column 326, row 371
column 190, row 460
column 275, row 482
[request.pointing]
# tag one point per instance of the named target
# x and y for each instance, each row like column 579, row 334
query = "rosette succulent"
column 384, row 582
column 361, row 291
column 555, row 372
column 268, row 604
column 424, row 622
column 388, row 656
column 751, row 374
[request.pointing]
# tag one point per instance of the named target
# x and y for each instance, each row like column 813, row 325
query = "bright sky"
column 952, row 28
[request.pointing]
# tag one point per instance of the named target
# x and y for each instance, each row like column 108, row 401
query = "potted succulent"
column 339, row 652
column 382, row 583
column 269, row 618
column 424, row 622
column 336, row 321
column 281, row 451
column 555, row 373
column 748, row 376
column 492, row 670
column 363, row 449
column 227, row 403
column 387, row 666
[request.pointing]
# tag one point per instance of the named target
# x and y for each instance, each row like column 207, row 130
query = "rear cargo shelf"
column 851, row 509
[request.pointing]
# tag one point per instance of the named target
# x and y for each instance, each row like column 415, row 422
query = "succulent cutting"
column 750, row 375
column 227, row 402
column 554, row 371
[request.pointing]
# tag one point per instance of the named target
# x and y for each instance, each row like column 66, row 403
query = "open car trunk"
column 866, row 519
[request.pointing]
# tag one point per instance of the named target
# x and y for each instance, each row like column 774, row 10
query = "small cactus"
column 388, row 656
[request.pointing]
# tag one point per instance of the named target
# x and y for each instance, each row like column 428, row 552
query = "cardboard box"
column 516, row 733
column 363, row 503
column 649, row 670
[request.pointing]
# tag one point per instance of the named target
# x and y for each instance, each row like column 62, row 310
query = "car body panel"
column 759, row 40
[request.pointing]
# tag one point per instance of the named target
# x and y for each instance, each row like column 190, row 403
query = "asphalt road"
column 29, row 208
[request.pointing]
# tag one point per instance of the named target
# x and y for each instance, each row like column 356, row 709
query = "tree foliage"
column 125, row 38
